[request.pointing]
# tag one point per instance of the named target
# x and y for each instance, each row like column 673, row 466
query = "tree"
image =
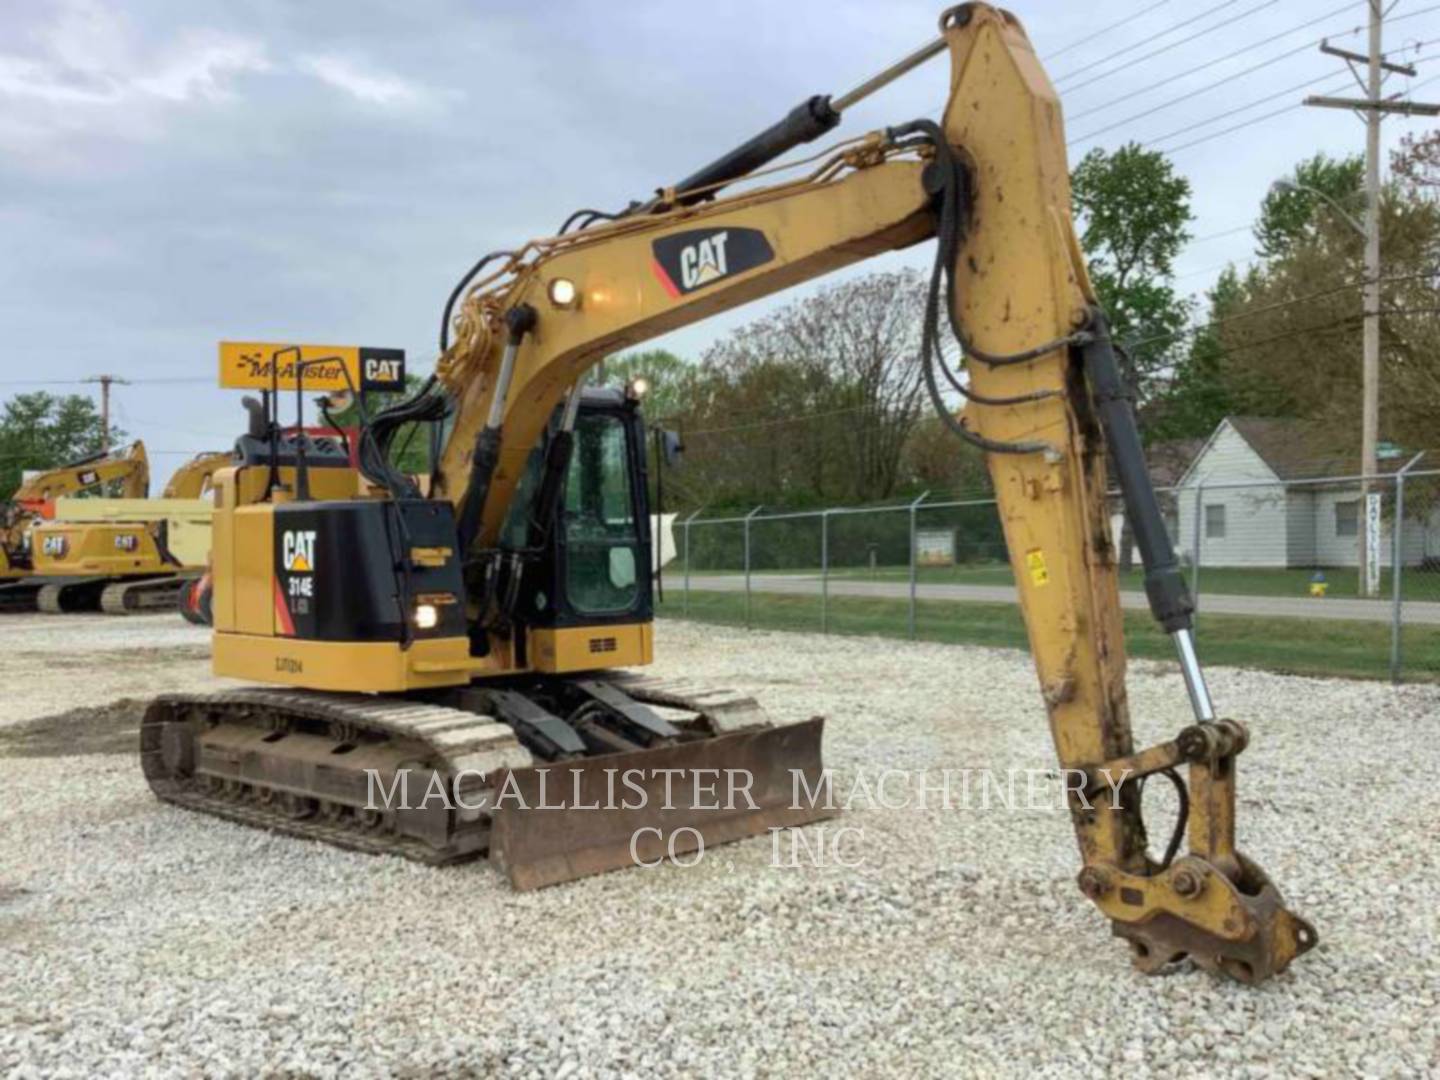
column 844, row 361
column 670, row 379
column 1198, row 396
column 1290, row 214
column 935, row 460
column 1132, row 209
column 1292, row 341
column 410, row 448
column 1416, row 164
column 43, row 431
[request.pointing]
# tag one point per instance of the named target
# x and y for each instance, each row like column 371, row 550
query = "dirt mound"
column 100, row 729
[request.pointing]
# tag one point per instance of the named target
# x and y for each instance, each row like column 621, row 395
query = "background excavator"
column 124, row 473
column 469, row 637
column 125, row 555
column 196, row 478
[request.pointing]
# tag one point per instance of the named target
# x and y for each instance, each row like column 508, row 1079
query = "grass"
column 1306, row 647
column 1414, row 584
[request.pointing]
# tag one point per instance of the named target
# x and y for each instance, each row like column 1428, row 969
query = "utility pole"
column 105, row 381
column 1372, row 109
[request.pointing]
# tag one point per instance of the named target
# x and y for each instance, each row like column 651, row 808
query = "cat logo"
column 703, row 262
column 55, row 547
column 127, row 542
column 690, row 260
column 298, row 550
column 88, row 477
column 382, row 369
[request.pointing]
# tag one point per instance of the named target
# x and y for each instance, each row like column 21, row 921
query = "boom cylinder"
column 808, row 120
column 804, row 123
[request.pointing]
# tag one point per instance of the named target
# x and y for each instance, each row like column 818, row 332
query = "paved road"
column 1296, row 607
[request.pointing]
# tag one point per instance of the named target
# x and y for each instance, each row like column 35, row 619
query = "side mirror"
column 671, row 448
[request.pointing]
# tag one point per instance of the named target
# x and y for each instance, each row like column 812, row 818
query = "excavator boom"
column 195, row 478
column 127, row 470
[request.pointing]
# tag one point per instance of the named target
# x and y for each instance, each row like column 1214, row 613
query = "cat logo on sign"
column 266, row 365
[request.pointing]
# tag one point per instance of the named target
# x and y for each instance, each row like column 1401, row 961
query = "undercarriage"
column 632, row 770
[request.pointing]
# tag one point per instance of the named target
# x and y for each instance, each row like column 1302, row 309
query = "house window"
column 1215, row 521
column 1347, row 518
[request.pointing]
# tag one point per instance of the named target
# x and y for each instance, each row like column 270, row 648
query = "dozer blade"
column 570, row 819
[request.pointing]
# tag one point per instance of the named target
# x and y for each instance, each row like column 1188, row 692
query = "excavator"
column 124, row 472
column 476, row 637
column 196, row 478
column 125, row 556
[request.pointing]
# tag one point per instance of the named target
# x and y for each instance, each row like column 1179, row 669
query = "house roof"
column 1304, row 449
column 1169, row 461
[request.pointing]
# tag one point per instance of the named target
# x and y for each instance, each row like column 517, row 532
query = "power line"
column 778, row 421
column 1225, row 116
column 1216, row 266
column 159, row 380
column 148, row 450
column 1225, row 82
column 45, row 382
column 1237, row 347
column 1343, row 321
column 1173, row 45
column 1228, row 56
column 1145, row 41
column 1259, row 101
column 1105, row 30
column 1223, row 233
column 1190, row 331
column 1186, row 97
column 1249, row 123
column 784, row 421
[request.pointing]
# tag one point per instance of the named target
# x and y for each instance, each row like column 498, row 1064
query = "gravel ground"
column 138, row 939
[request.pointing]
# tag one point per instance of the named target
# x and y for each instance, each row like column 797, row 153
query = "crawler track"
column 328, row 767
column 18, row 597
column 136, row 597
column 294, row 762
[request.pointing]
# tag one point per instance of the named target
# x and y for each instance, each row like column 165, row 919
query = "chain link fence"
column 1330, row 576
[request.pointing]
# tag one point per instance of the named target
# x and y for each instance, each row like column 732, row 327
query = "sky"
column 178, row 172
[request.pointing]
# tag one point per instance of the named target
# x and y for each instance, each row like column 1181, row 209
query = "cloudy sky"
column 175, row 172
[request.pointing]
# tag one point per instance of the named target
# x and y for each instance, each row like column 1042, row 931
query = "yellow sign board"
column 262, row 365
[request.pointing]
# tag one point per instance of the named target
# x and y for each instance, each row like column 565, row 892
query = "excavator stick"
column 558, row 822
column 1052, row 406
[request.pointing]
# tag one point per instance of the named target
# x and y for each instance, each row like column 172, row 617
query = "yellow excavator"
column 470, row 640
column 127, row 556
column 196, row 478
column 124, row 473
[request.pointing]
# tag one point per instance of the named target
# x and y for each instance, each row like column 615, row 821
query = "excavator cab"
column 590, row 567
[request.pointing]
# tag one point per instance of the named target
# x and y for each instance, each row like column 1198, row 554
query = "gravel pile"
column 136, row 938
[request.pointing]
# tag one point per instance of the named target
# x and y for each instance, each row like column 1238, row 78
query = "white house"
column 1263, row 492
